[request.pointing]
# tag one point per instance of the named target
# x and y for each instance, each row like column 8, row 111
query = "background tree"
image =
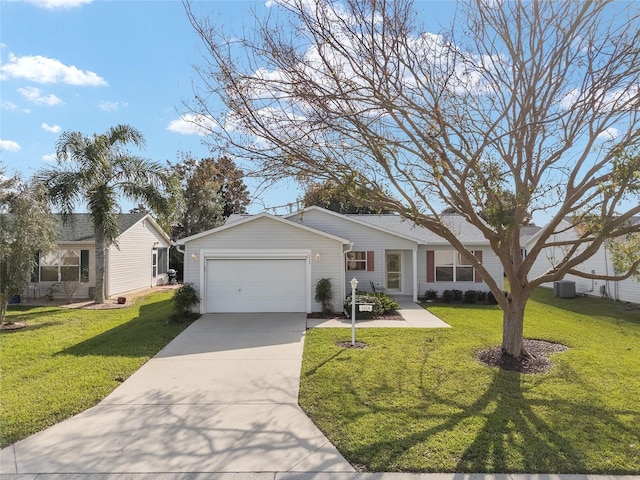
column 212, row 190
column 537, row 99
column 98, row 171
column 26, row 228
column 337, row 197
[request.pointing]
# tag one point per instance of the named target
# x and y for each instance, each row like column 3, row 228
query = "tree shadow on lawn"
column 133, row 338
column 513, row 438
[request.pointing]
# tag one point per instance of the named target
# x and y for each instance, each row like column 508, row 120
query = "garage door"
column 256, row 285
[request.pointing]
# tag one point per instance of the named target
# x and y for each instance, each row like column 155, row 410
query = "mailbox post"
column 354, row 285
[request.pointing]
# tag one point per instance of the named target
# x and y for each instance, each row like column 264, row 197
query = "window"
column 450, row 266
column 66, row 265
column 357, row 261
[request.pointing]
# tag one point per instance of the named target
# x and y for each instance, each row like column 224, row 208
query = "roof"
column 79, row 228
column 528, row 231
column 466, row 232
column 250, row 218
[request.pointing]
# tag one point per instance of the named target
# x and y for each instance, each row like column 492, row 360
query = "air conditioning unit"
column 564, row 289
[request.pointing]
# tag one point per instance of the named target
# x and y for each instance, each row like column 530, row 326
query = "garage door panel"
column 256, row 285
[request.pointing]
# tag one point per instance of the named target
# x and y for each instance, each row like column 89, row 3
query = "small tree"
column 26, row 228
column 324, row 294
column 184, row 299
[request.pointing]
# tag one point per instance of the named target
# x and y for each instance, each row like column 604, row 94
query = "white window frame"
column 356, row 261
column 456, row 262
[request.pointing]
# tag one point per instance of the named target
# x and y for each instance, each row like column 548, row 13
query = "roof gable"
column 253, row 218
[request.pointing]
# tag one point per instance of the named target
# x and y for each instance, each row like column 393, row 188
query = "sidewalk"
column 313, row 476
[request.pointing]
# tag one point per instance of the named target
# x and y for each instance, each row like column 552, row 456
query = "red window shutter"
column 430, row 267
column 478, row 254
column 370, row 264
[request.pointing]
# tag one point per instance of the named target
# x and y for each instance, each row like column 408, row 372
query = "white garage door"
column 256, row 285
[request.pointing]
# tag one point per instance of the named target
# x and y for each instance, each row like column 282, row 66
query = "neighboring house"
column 600, row 264
column 262, row 263
column 140, row 260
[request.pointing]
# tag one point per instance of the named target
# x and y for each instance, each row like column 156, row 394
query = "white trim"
column 255, row 255
column 415, row 275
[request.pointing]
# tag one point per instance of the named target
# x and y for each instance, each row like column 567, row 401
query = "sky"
column 85, row 65
column 82, row 65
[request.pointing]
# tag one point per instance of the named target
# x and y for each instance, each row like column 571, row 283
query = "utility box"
column 564, row 289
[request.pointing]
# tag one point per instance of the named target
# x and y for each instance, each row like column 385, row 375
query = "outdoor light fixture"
column 318, row 257
column 194, row 257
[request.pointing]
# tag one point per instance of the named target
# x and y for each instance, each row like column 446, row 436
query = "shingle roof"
column 466, row 232
column 80, row 226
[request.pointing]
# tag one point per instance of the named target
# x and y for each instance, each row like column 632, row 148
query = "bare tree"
column 522, row 108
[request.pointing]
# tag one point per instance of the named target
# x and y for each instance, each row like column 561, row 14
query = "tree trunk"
column 100, row 263
column 513, row 328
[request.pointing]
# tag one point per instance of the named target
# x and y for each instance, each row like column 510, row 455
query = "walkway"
column 413, row 316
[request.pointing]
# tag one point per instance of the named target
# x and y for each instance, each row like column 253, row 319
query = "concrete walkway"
column 221, row 397
column 414, row 316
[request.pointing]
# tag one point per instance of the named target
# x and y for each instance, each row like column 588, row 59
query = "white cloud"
column 9, row 146
column 190, row 124
column 53, row 4
column 51, row 157
column 51, row 128
column 39, row 69
column 610, row 133
column 108, row 106
column 34, row 95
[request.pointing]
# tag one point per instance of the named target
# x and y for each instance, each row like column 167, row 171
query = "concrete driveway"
column 221, row 397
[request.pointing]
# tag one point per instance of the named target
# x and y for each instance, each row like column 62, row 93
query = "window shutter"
column 35, row 273
column 370, row 259
column 84, row 266
column 478, row 254
column 430, row 266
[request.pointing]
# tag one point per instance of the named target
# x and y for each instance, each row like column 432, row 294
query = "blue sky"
column 89, row 65
column 83, row 65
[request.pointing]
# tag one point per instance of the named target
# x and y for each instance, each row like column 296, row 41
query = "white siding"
column 489, row 260
column 129, row 266
column 364, row 238
column 626, row 290
column 269, row 235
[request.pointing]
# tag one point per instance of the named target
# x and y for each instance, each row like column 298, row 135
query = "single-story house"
column 627, row 290
column 140, row 259
column 269, row 263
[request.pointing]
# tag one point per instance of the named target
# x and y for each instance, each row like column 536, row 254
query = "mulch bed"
column 538, row 349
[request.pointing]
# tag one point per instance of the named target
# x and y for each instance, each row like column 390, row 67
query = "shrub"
column 457, row 295
column 431, row 294
column 388, row 303
column 324, row 294
column 491, row 299
column 470, row 296
column 184, row 299
column 365, row 298
column 482, row 296
column 447, row 296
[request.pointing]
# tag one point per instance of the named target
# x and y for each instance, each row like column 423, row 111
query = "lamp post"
column 354, row 285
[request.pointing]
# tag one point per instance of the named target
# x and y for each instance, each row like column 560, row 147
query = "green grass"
column 418, row 400
column 66, row 360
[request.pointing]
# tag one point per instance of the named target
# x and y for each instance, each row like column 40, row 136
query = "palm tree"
column 98, row 171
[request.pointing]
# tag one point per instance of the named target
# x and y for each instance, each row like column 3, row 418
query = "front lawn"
column 67, row 360
column 418, row 400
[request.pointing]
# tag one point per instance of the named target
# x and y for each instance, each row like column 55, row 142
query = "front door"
column 394, row 271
